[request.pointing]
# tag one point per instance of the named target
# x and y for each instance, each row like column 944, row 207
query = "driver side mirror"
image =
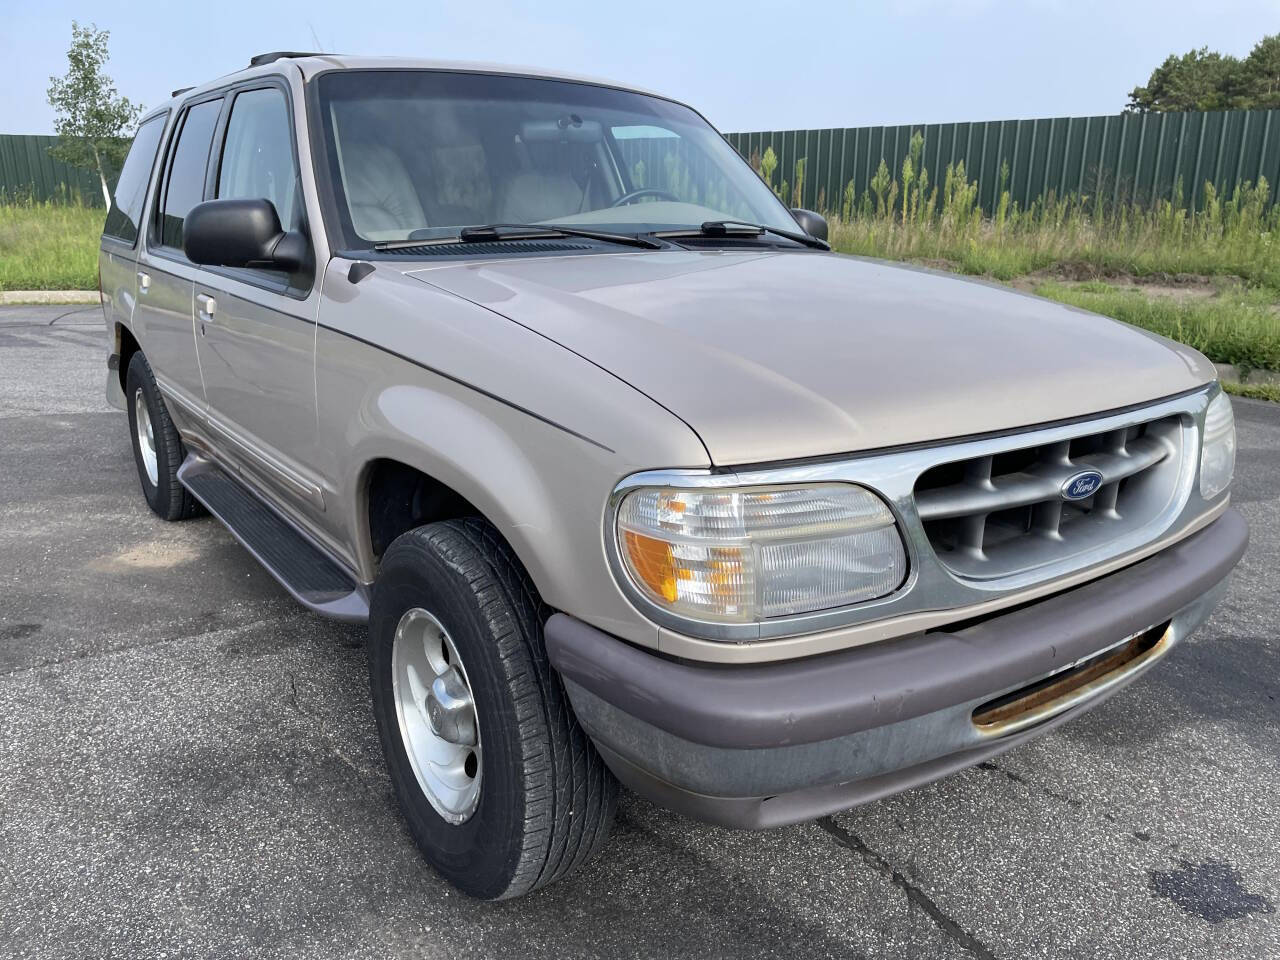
column 815, row 225
column 241, row 233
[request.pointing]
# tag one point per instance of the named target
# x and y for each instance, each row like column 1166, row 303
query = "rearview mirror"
column 241, row 233
column 815, row 225
column 571, row 129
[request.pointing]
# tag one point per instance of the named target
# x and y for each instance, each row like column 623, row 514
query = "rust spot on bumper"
column 1065, row 689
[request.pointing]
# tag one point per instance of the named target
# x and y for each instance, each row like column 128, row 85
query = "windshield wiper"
column 730, row 228
column 491, row 231
column 524, row 231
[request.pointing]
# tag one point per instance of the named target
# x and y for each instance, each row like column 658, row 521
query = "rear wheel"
column 157, row 448
column 500, row 787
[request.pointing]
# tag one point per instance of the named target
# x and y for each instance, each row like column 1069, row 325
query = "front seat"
column 380, row 195
column 533, row 197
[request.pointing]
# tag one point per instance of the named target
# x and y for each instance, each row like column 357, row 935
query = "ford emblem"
column 1081, row 486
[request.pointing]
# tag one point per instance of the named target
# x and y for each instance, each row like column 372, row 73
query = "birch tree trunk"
column 102, row 179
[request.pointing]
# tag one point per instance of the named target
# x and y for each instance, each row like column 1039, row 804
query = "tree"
column 1206, row 80
column 93, row 121
column 1260, row 74
column 1198, row 80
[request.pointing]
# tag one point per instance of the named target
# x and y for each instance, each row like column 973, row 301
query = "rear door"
column 255, row 332
column 163, row 320
column 118, row 254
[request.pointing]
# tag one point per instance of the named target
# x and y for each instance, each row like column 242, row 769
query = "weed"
column 904, row 219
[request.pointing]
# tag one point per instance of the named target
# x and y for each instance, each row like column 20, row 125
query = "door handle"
column 144, row 282
column 206, row 306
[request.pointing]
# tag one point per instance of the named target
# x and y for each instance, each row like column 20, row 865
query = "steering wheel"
column 635, row 195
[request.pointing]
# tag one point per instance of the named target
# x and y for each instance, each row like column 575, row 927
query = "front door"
column 254, row 338
column 162, row 318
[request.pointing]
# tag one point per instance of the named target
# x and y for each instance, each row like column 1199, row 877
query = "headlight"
column 1218, row 448
column 744, row 554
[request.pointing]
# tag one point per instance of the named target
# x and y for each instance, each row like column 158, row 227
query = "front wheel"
column 499, row 785
column 157, row 448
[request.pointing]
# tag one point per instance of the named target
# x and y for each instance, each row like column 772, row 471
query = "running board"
column 314, row 578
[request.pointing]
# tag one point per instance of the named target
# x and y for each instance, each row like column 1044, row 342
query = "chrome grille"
column 1003, row 513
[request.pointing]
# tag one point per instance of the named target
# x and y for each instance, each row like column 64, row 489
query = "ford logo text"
column 1082, row 485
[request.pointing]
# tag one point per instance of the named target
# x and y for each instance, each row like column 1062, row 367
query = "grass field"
column 49, row 247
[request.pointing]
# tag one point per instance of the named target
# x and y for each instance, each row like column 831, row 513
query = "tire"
column 157, row 461
column 545, row 798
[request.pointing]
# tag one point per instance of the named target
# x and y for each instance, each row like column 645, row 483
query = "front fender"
column 532, row 435
column 471, row 451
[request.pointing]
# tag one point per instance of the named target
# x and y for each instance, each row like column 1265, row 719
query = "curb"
column 9, row 297
column 1229, row 373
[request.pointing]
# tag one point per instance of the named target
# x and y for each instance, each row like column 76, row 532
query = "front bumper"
column 769, row 744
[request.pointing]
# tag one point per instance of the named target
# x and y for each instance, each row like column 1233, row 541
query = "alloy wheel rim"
column 436, row 713
column 146, row 437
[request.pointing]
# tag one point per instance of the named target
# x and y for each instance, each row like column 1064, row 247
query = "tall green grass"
column 911, row 216
column 45, row 246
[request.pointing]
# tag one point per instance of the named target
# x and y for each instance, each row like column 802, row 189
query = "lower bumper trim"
column 806, row 803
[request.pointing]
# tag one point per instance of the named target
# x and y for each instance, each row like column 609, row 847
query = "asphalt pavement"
column 188, row 766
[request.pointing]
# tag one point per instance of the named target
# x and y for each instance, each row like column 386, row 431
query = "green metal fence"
column 1122, row 158
column 27, row 172
column 1128, row 157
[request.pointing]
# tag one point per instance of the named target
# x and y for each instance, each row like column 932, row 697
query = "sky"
column 745, row 65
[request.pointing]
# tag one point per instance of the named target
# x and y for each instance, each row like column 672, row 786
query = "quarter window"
column 187, row 171
column 257, row 160
column 131, row 188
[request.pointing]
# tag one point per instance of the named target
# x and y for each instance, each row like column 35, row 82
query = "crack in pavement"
column 749, row 901
column 45, row 324
column 85, row 308
column 914, row 894
column 72, row 313
column 1070, row 801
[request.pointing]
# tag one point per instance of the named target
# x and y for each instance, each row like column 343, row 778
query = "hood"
column 773, row 356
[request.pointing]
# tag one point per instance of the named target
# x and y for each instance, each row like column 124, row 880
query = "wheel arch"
column 124, row 345
column 395, row 497
column 396, row 492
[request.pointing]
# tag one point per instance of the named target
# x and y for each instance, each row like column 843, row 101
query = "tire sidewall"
column 138, row 378
column 481, row 854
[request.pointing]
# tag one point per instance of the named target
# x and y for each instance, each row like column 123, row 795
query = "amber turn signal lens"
column 653, row 564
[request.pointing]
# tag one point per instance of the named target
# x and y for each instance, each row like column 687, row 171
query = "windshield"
column 419, row 154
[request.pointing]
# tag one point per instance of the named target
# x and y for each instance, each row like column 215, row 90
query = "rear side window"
column 185, row 186
column 257, row 160
column 131, row 189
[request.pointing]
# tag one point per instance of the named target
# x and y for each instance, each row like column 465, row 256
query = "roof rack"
column 272, row 57
column 180, row 91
